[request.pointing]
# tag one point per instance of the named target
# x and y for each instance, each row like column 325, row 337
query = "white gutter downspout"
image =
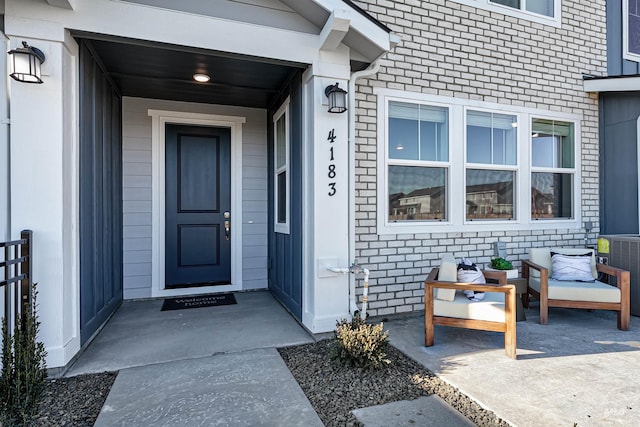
column 372, row 69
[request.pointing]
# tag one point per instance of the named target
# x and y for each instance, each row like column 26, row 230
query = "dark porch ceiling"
column 161, row 71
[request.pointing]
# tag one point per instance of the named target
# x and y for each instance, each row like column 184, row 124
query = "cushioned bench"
column 538, row 270
column 446, row 305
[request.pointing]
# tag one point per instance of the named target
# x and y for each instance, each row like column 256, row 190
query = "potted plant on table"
column 504, row 265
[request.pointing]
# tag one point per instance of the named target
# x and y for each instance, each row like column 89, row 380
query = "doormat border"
column 198, row 301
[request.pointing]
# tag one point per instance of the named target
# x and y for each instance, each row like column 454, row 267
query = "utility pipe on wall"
column 351, row 140
column 356, row 269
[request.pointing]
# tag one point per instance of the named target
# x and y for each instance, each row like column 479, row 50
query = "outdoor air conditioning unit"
column 623, row 251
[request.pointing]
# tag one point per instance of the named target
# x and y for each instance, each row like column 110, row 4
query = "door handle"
column 227, row 225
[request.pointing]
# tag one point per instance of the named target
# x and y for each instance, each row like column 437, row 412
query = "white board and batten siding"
column 137, row 191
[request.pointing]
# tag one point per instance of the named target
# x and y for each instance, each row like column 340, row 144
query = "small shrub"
column 360, row 344
column 23, row 369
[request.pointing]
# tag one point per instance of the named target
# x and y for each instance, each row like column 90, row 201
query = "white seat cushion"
column 491, row 308
column 579, row 291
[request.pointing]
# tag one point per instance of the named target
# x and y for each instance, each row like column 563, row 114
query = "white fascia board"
column 617, row 84
column 39, row 21
column 360, row 24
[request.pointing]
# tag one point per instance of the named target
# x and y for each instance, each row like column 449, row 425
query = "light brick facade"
column 453, row 50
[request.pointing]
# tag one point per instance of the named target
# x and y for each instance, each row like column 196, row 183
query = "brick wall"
column 454, row 50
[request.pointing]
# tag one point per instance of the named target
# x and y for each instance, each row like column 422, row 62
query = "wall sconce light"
column 337, row 98
column 25, row 64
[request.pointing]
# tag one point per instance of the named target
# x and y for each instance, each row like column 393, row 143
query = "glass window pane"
column 634, row 27
column 510, row 3
column 552, row 144
column 281, row 142
column 490, row 194
column 491, row 138
column 417, row 193
column 543, row 7
column 551, row 195
column 281, row 207
column 418, row 132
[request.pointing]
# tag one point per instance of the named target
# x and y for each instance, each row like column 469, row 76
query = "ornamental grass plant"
column 360, row 344
column 23, row 373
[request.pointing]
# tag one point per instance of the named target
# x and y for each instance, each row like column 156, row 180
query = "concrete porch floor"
column 579, row 368
column 175, row 366
column 140, row 334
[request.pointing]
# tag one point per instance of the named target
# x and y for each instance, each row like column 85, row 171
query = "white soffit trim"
column 614, row 84
column 65, row 4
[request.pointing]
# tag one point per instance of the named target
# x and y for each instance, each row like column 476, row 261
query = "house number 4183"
column 331, row 174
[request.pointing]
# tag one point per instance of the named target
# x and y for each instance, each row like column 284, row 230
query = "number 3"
column 332, row 185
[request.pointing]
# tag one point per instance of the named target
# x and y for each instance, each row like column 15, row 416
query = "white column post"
column 326, row 224
column 43, row 136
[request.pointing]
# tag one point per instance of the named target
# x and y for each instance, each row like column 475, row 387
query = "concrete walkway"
column 219, row 366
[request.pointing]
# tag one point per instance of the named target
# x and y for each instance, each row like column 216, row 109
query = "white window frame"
column 554, row 20
column 492, row 166
column 280, row 227
column 541, row 169
column 626, row 54
column 456, row 186
column 422, row 163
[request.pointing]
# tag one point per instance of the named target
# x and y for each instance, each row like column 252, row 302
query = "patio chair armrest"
column 534, row 265
column 479, row 287
column 622, row 276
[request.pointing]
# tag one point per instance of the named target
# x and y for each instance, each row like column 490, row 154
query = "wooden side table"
column 521, row 289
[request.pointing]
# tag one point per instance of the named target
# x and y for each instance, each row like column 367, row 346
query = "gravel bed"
column 74, row 401
column 334, row 391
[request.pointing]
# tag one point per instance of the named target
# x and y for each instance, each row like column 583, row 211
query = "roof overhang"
column 365, row 36
column 612, row 84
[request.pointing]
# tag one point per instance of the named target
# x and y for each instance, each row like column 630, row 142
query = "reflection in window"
column 489, row 194
column 417, row 193
column 552, row 144
column 633, row 27
column 551, row 195
column 542, row 7
column 491, row 138
column 418, row 132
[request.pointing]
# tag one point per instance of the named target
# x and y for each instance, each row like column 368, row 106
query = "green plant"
column 360, row 344
column 23, row 374
column 501, row 264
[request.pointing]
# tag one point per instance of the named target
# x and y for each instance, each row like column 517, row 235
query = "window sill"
column 476, row 226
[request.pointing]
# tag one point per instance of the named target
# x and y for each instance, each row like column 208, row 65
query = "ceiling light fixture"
column 201, row 78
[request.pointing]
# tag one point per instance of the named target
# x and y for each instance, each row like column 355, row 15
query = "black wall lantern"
column 337, row 98
column 25, row 64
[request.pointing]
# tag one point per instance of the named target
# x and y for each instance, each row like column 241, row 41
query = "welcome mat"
column 198, row 301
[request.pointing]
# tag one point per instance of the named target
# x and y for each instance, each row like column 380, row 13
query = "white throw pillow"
column 571, row 267
column 468, row 272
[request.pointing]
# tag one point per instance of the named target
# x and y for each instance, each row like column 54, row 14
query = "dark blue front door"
column 197, row 206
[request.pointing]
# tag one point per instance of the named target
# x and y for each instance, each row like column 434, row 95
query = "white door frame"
column 160, row 118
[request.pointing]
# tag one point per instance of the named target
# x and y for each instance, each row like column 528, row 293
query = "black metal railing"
column 15, row 275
